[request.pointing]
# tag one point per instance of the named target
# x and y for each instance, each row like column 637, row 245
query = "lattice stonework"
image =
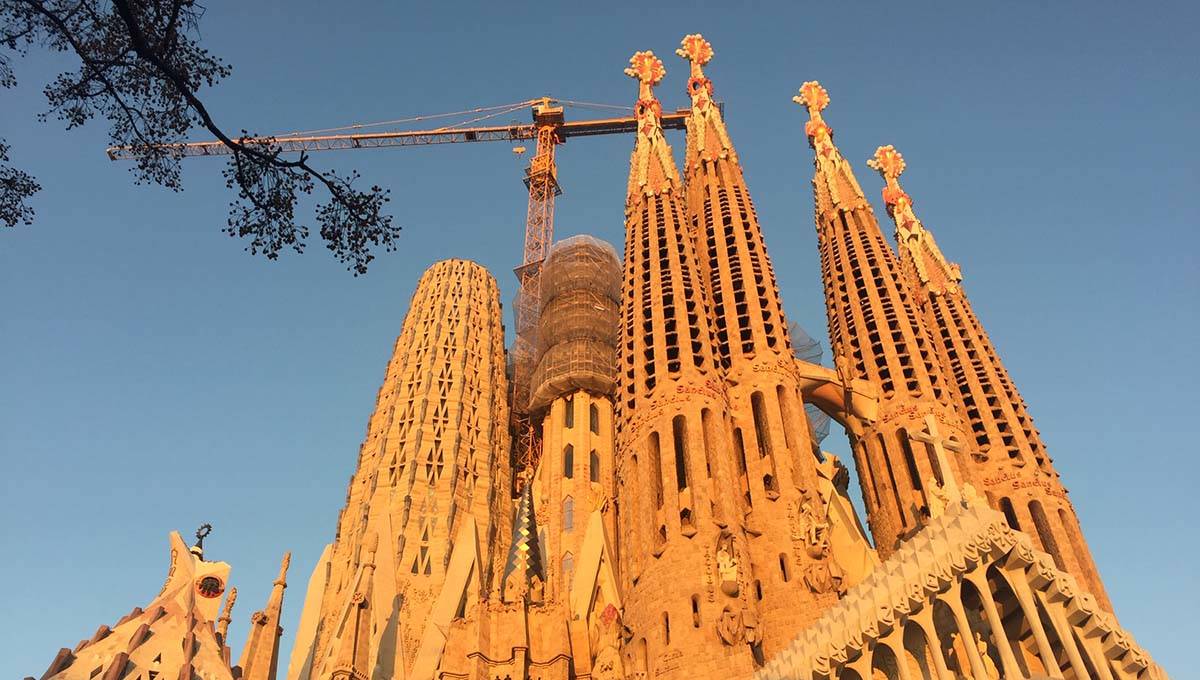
column 436, row 450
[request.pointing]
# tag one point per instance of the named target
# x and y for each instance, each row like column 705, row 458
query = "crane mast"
column 548, row 129
column 541, row 178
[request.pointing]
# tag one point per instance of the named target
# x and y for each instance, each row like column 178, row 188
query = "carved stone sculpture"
column 727, row 564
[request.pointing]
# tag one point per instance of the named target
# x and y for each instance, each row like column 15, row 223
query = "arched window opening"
column 679, row 436
column 594, row 466
column 568, row 514
column 695, row 611
column 594, row 419
column 569, row 411
column 666, row 628
column 783, row 568
column 569, row 461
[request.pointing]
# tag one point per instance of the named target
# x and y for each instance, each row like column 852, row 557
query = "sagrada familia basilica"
column 682, row 520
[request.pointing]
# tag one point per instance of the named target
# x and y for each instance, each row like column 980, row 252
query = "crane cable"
column 356, row 126
column 490, row 111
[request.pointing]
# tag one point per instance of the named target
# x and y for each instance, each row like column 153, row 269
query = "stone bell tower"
column 428, row 508
column 878, row 334
column 1012, row 466
column 684, row 556
column 777, row 474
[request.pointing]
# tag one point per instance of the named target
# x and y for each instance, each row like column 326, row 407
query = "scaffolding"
column 579, row 321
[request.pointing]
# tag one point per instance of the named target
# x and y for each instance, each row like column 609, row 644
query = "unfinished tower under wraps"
column 680, row 519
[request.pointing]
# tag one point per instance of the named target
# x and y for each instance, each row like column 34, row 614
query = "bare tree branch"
column 142, row 68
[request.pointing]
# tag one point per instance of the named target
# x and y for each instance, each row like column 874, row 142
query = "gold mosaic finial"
column 648, row 70
column 888, row 162
column 815, row 98
column 890, row 165
column 695, row 49
column 699, row 52
column 932, row 268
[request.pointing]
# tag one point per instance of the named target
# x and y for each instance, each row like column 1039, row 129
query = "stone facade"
column 681, row 521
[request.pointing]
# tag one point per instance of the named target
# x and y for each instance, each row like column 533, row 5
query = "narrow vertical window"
column 568, row 569
column 1010, row 513
column 656, row 477
column 679, row 436
column 568, row 514
column 1042, row 524
column 706, row 432
column 594, row 466
column 785, row 416
column 910, row 459
column 569, row 461
column 569, row 411
column 783, row 568
column 666, row 628
column 594, row 419
column 695, row 611
column 762, row 427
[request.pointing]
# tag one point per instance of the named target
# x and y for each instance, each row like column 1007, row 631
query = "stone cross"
column 933, row 438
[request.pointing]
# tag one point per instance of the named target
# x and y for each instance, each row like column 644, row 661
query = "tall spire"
column 223, row 622
column 877, row 334
column 707, row 137
column 773, row 466
column 835, row 185
column 354, row 643
column 669, row 394
column 260, row 656
column 435, row 457
column 1010, row 460
column 524, row 575
column 653, row 169
column 916, row 245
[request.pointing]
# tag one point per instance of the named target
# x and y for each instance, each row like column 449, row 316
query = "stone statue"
column 937, row 499
column 727, row 564
column 814, row 524
column 989, row 667
column 824, row 577
column 537, row 589
column 606, row 641
column 729, row 626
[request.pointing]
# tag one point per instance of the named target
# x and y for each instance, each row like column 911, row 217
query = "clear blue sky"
column 153, row 376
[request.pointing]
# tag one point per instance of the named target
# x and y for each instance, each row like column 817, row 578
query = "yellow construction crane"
column 548, row 129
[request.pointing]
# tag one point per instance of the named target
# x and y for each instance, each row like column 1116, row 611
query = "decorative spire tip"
column 888, row 162
column 812, row 96
column 695, row 49
column 646, row 68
